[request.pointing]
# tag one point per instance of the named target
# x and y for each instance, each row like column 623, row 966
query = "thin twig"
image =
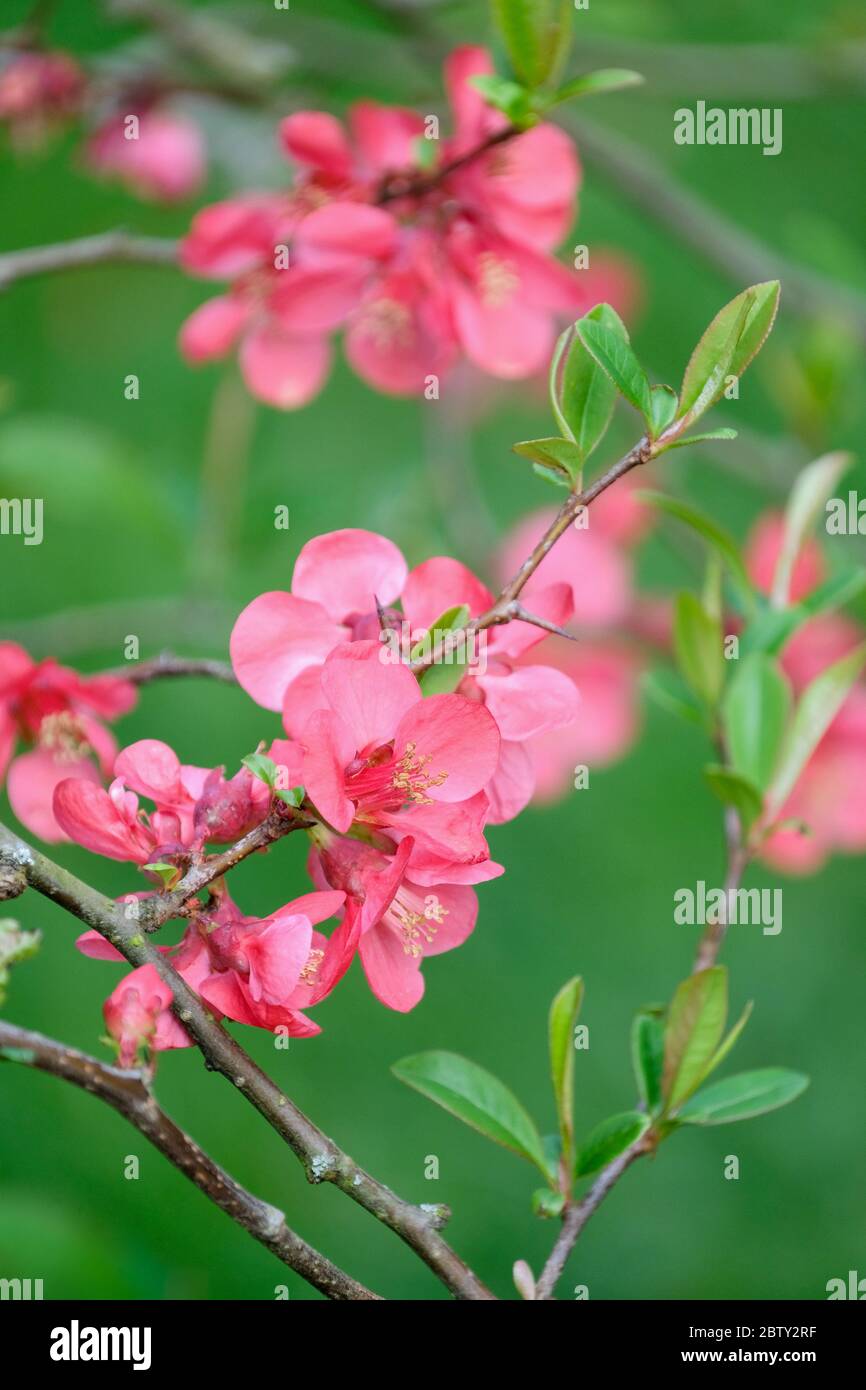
column 167, row 665
column 105, row 248
column 128, row 1093
column 321, row 1157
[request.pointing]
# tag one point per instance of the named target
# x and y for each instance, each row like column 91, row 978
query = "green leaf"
column 454, row 619
column 669, row 691
column 663, row 408
column 770, row 630
column 647, row 1054
column 755, row 715
column 698, row 647
column 734, row 790
column 835, row 592
column 292, row 796
column 592, row 83
column 729, row 1042
column 562, row 1018
column 817, row 708
column 512, row 99
column 168, row 874
column 695, row 1023
column 743, row 1096
column 706, row 438
column 608, row 1140
column 608, row 342
column 560, row 456
column 546, row 1203
column 536, row 34
column 583, row 394
column 260, row 766
column 717, row 538
column 734, row 337
column 813, row 486
column 477, row 1098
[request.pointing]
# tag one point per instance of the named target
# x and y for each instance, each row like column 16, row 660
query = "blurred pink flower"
column 161, row 157
column 38, row 93
column 830, row 796
column 458, row 263
column 59, row 716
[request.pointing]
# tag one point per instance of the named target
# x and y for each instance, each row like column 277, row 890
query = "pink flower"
column 138, row 1017
column 58, row 715
column 157, row 154
column 457, row 262
column 401, row 922
column 830, row 796
column 281, row 314
column 193, row 805
column 38, row 93
column 376, row 749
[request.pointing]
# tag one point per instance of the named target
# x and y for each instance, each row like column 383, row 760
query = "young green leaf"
column 755, row 714
column 454, row 619
column 512, row 99
column 734, row 790
column 292, row 796
column 563, row 1016
column 477, row 1098
column 608, row 1140
column 584, row 395
column 721, row 542
column 607, row 341
column 708, row 437
column 261, row 767
column 743, row 1096
column 560, row 456
column 647, row 1054
column 817, row 708
column 669, row 691
column 732, row 339
column 730, row 1041
column 698, row 647
column 536, row 34
column 813, row 486
column 663, row 409
column 600, row 81
column 695, row 1023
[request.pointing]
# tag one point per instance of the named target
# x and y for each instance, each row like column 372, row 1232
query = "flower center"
column 388, row 323
column 386, row 783
column 311, row 969
column 63, row 736
column 414, row 921
column 497, row 279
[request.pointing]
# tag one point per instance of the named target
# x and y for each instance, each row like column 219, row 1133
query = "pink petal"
column 328, row 748
column 763, row 548
column 277, row 955
column 152, row 769
column 348, row 571
column 473, row 118
column 213, row 328
column 530, row 700
column 370, row 695
column 31, row 785
column 88, row 815
column 385, row 136
column 394, row 977
column 555, row 604
column 282, row 370
column 455, row 736
column 510, row 789
column 313, row 302
column 275, row 638
column 506, row 337
column 94, row 945
column 317, row 139
column 303, row 695
column 229, row 238
column 341, row 231
column 439, row 584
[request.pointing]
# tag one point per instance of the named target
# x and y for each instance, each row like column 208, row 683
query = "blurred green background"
column 159, row 522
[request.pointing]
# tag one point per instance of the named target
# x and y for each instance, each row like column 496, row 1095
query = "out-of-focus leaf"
column 805, row 504
column 592, row 83
column 536, row 34
column 563, row 1016
column 647, row 1052
column 669, row 691
column 734, row 790
column 698, row 647
column 816, row 709
column 721, row 542
column 695, row 1023
column 755, row 712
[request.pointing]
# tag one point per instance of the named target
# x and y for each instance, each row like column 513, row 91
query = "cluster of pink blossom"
column 59, row 716
column 419, row 262
column 156, row 152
